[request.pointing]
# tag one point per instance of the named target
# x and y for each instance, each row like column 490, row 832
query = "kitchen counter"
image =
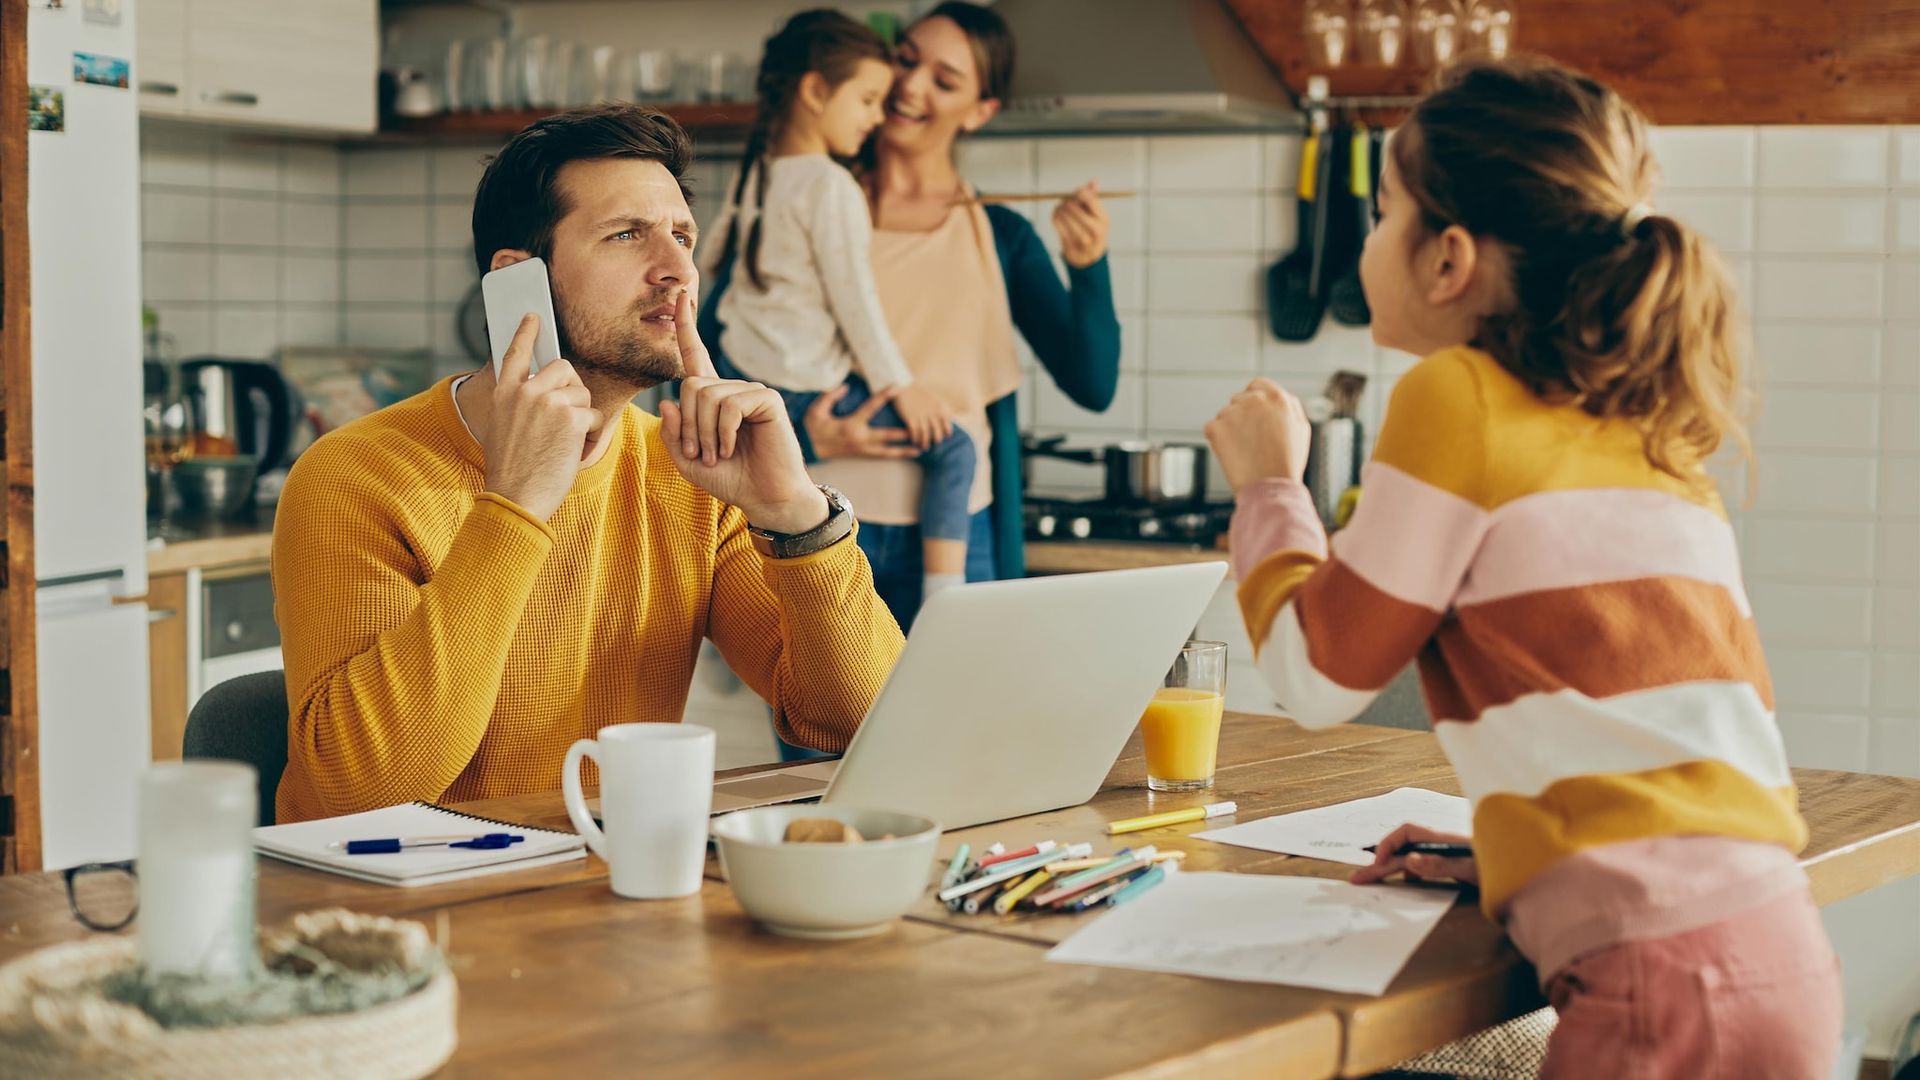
column 198, row 544
column 1081, row 556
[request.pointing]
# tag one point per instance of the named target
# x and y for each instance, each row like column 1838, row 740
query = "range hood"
column 1137, row 65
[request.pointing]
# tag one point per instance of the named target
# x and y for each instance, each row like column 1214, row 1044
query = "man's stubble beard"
column 612, row 348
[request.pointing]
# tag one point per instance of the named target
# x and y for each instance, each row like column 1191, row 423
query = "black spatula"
column 1296, row 296
column 1347, row 301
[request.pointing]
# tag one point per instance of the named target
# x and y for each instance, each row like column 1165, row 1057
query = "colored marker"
column 1006, row 900
column 1172, row 817
column 1099, row 895
column 957, row 868
column 1153, row 876
column 1087, row 879
column 1008, row 870
column 1429, row 847
column 1037, row 849
column 1070, row 865
column 973, row 905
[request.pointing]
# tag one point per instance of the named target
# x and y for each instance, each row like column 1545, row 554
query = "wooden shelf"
column 699, row 120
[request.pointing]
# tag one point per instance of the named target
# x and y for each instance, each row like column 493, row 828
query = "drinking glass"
column 1438, row 32
column 1380, row 32
column 196, row 880
column 1490, row 26
column 1181, row 727
column 1328, row 25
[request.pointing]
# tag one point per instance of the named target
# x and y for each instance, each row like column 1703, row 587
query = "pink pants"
column 1755, row 996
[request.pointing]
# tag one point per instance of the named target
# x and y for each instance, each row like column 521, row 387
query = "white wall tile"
column 1900, row 421
column 1281, row 224
column 457, row 171
column 176, row 275
column 246, row 277
column 1825, row 741
column 176, row 217
column 444, row 324
column 1820, row 157
column 1894, row 745
column 1814, row 353
column 310, row 279
column 451, row 224
column 1207, row 344
column 1900, row 364
column 386, row 171
column 1820, row 678
column 307, row 169
column 246, row 220
column 1127, row 225
column 300, row 326
column 376, row 279
column 1820, row 615
column 244, row 164
column 1896, row 682
column 1908, row 141
column 998, row 166
column 247, row 332
column 453, row 275
column 1896, row 618
column 1725, row 220
column 1216, row 284
column 1280, row 162
column 1184, row 405
column 1053, row 410
column 1807, row 548
column 386, row 226
column 1898, row 548
column 1334, row 348
column 1803, row 419
column 1797, row 482
column 385, row 328
column 1906, row 230
column 1116, row 164
column 311, row 224
column 1711, row 157
column 187, row 327
column 1203, row 163
column 1903, row 289
column 1899, row 487
column 1129, row 282
column 1817, row 289
column 1211, row 223
column 1822, row 224
column 177, row 156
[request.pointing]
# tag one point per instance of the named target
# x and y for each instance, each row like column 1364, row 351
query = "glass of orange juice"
column 1181, row 727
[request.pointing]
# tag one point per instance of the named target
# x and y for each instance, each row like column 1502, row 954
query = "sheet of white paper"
column 1297, row 931
column 1339, row 832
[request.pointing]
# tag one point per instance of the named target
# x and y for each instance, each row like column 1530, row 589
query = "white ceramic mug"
column 656, row 790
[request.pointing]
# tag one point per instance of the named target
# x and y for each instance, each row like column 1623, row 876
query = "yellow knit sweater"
column 443, row 644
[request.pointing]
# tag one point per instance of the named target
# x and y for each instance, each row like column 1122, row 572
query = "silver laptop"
column 1012, row 697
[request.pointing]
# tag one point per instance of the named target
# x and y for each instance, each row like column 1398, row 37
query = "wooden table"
column 559, row 975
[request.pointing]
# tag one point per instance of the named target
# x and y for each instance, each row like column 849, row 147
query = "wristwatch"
column 836, row 528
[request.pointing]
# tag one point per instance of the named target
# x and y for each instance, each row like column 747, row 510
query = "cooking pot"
column 1138, row 473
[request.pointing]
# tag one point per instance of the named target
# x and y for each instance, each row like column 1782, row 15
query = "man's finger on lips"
column 693, row 354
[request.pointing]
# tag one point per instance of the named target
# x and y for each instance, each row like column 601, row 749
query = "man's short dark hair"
column 518, row 202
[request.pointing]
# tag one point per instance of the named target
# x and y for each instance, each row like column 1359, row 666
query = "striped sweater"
column 1584, row 641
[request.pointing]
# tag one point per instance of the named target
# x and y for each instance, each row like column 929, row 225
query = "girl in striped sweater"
column 1539, row 531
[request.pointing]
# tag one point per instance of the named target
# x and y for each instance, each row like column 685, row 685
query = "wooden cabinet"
column 308, row 65
column 167, row 660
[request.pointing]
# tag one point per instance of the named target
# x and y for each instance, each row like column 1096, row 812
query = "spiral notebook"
column 309, row 843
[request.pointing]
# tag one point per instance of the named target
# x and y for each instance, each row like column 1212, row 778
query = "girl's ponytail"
column 1618, row 309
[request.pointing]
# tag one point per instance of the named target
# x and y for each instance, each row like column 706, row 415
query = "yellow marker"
column 1020, row 892
column 1171, row 817
column 1088, row 864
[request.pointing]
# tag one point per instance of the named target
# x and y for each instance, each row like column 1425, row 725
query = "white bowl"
column 826, row 891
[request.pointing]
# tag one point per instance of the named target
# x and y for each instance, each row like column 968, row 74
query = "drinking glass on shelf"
column 529, row 80
column 707, row 77
column 1380, row 32
column 1181, row 727
column 1438, row 30
column 653, row 75
column 1328, row 25
column 453, row 78
column 1490, row 26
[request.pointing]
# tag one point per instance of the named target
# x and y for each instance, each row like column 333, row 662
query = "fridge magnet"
column 46, row 109
column 101, row 12
column 100, row 70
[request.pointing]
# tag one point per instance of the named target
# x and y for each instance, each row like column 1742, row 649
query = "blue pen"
column 483, row 842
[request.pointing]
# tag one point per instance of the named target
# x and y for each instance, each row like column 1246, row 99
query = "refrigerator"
column 83, row 229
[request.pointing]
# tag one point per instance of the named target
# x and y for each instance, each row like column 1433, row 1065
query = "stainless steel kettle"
column 1337, row 449
column 238, row 408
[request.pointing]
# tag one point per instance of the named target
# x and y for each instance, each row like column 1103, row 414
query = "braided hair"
column 821, row 40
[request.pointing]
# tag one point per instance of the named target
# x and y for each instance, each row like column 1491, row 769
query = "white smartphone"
column 509, row 294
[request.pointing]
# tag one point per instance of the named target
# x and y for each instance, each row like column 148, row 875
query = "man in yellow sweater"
column 468, row 581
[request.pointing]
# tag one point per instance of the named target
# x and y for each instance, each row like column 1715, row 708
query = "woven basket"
column 54, row 1022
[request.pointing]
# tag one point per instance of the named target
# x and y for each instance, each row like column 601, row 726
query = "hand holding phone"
column 510, row 294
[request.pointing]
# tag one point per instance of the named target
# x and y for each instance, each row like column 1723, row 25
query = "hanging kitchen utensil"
column 1347, row 300
column 1296, row 299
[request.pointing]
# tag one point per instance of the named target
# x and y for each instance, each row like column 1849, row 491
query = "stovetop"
column 1096, row 519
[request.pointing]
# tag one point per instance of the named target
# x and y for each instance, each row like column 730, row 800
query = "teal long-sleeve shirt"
column 1070, row 327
